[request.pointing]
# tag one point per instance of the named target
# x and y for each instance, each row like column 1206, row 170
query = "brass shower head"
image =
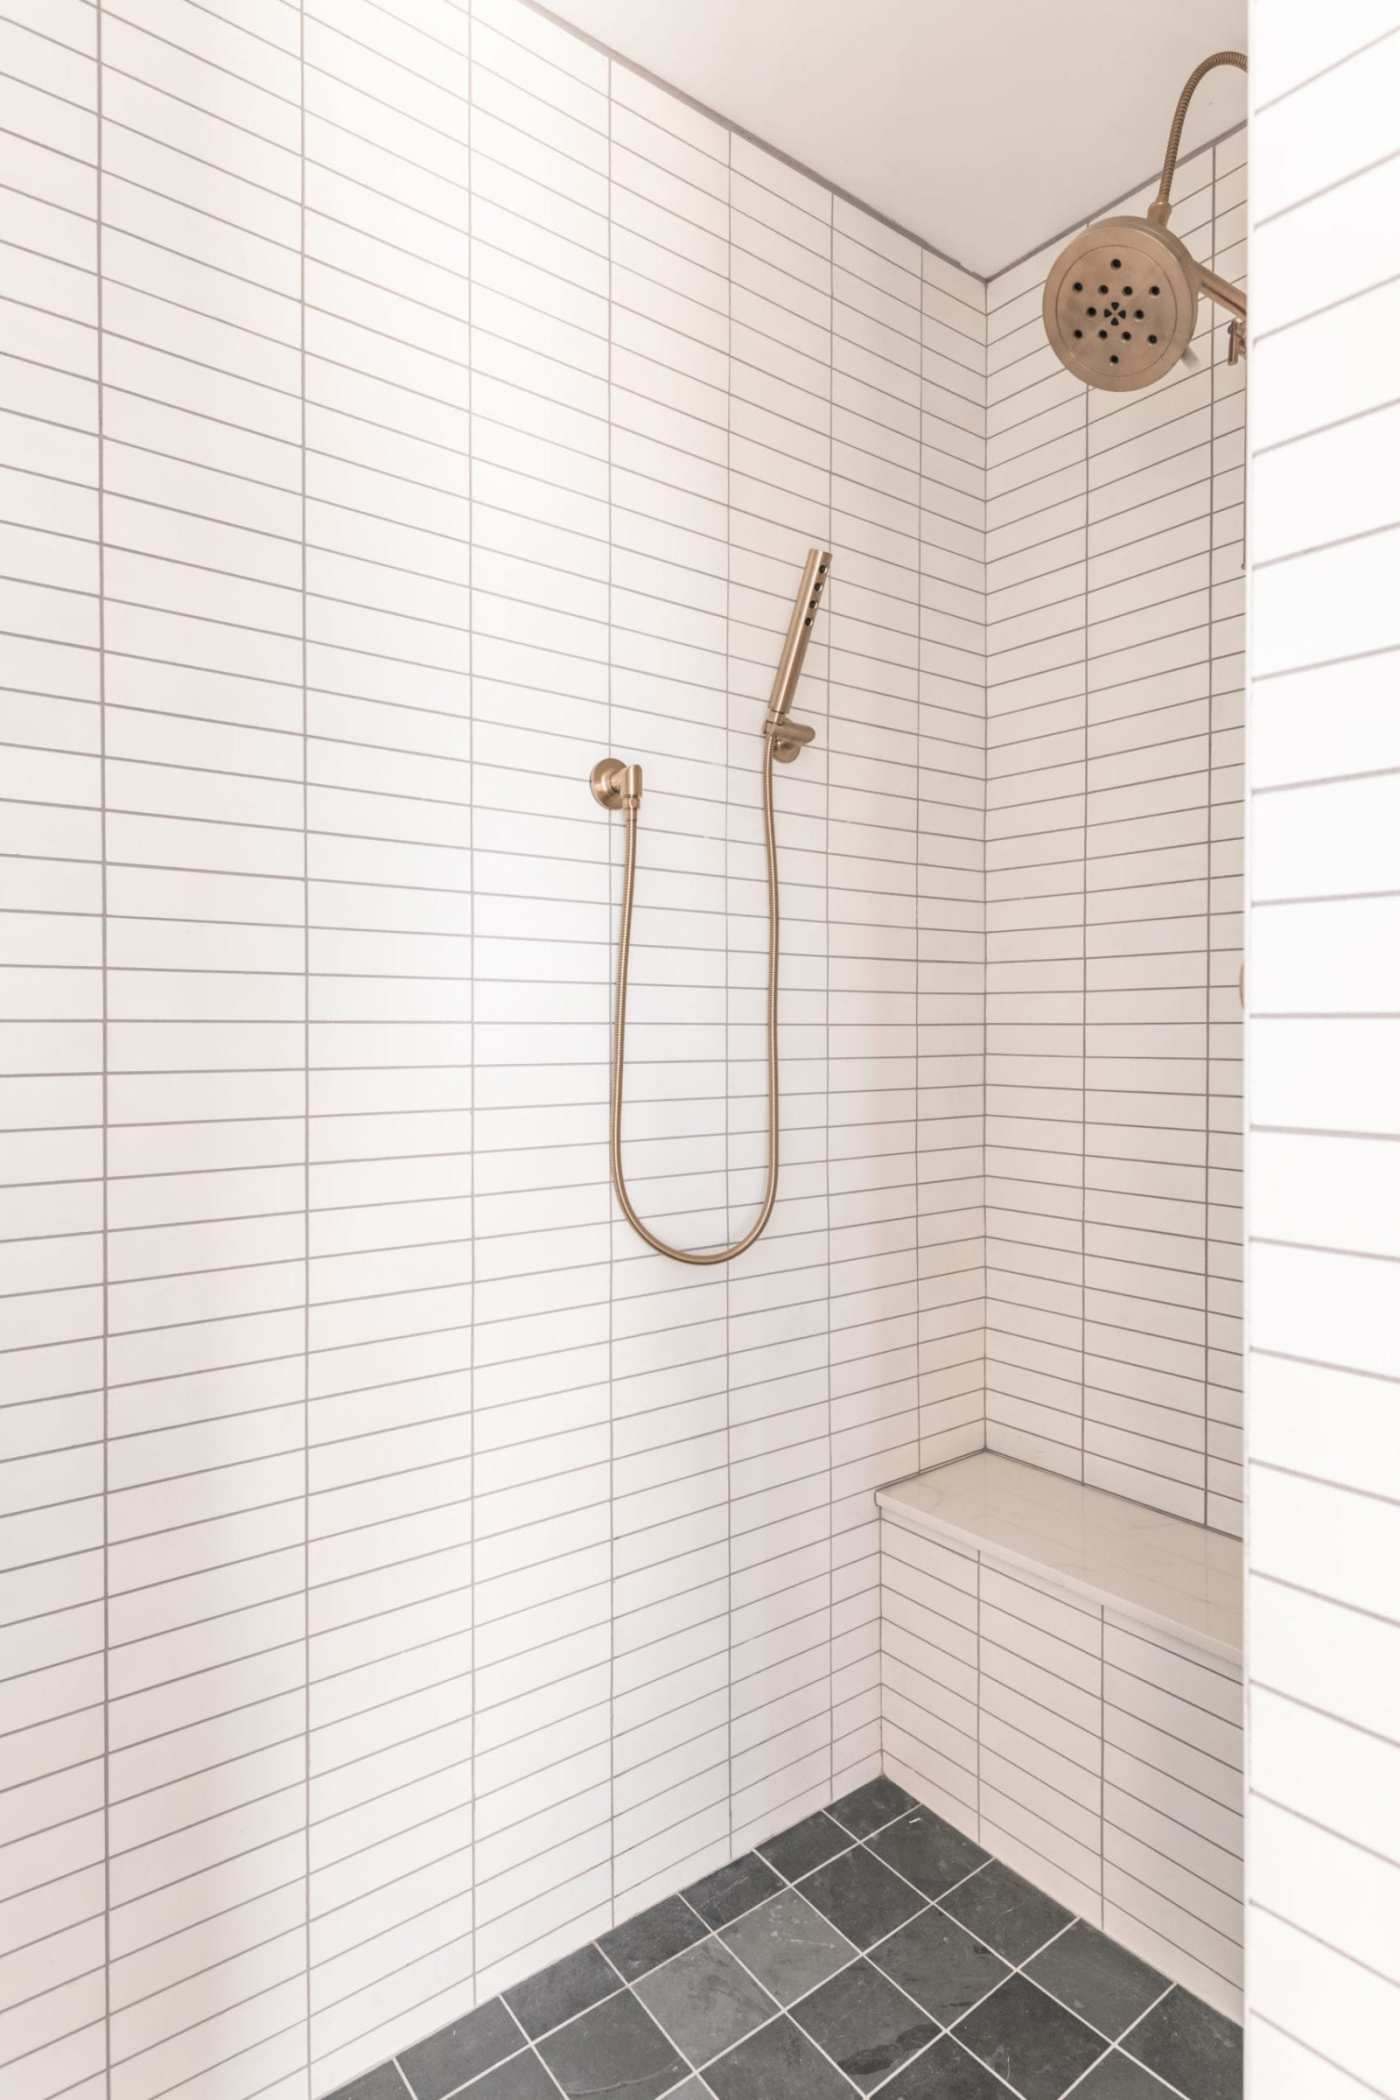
column 1122, row 297
column 1121, row 302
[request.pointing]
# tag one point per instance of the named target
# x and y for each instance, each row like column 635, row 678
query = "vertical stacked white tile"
column 873, row 886
column 52, row 1825
column 1037, row 522
column 1173, row 1820
column 206, row 1419
column 928, row 1627
column 950, row 949
column 1148, row 874
column 1099, row 1756
column 660, row 1480
column 1324, row 1054
column 388, row 1052
column 1113, row 857
column 952, row 877
column 1041, row 1679
column 1224, row 1336
column 779, row 425
column 540, row 223
column 668, row 396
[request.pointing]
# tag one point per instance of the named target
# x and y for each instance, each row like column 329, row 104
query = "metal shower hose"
column 629, row 886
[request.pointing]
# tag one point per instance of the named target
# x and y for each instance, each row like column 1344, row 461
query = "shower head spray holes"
column 1120, row 315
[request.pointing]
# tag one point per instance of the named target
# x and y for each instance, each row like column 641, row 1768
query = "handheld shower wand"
column 786, row 737
column 619, row 786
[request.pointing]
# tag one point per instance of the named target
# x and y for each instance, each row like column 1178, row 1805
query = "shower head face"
column 1120, row 303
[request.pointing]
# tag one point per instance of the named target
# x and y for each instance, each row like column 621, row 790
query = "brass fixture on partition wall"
column 617, row 785
column 1122, row 297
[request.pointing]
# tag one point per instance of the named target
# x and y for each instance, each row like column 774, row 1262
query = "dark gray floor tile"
column 722, row 1896
column 454, row 2054
column 864, row 2024
column 614, row 2052
column 878, row 1801
column 382, row 2083
column 1007, row 1912
column 777, row 2063
column 1119, row 2078
column 928, row 1851
column 705, row 2001
column 940, row 1965
column 1026, row 2038
column 861, row 1897
column 796, row 1851
column 1194, row 2047
column 790, row 1947
column 708, row 1967
column 1097, row 1978
column 566, row 1987
column 653, row 1936
column 944, row 2072
column 522, row 2077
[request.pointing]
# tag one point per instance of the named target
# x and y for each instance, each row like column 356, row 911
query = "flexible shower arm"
column 1094, row 342
column 1159, row 210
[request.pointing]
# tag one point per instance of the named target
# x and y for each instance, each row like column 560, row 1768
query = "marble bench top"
column 1140, row 1562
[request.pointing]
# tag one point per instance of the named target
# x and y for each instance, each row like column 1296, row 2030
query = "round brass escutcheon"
column 606, row 782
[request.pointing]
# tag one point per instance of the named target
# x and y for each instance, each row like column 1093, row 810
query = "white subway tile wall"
column 403, row 1575
column 1324, row 1052
column 1115, row 637
column 53, row 1614
column 1098, row 1756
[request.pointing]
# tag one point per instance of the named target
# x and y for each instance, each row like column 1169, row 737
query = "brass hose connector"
column 615, row 785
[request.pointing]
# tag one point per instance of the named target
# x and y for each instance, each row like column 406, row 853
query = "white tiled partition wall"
column 1115, row 680
column 401, row 406
column 1324, row 1054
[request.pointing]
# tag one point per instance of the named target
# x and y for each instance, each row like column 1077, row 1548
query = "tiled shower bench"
column 1062, row 1682
column 1061, row 1697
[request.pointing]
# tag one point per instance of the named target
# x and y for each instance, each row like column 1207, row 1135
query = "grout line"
column 1211, row 1061
column 1362, row 2085
column 104, row 938
column 308, row 1821
column 1358, row 51
column 1328, row 189
column 614, row 965
column 469, row 1263
column 830, row 541
column 774, row 1107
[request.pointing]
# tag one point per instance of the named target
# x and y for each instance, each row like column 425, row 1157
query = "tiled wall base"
column 872, row 1948
column 1102, row 1760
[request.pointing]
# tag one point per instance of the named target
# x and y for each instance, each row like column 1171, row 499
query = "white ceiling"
column 985, row 126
